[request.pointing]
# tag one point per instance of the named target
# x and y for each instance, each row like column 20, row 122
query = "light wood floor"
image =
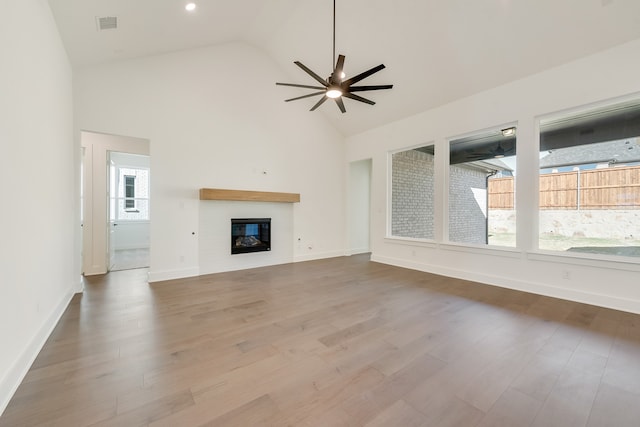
column 338, row 342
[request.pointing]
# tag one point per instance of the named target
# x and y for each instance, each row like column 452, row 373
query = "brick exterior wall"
column 412, row 194
column 412, row 205
column 467, row 219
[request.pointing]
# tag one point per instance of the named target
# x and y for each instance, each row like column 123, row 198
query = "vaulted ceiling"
column 435, row 51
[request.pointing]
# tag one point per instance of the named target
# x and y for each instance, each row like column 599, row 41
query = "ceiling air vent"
column 107, row 22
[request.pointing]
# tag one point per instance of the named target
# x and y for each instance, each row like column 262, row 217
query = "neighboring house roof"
column 620, row 151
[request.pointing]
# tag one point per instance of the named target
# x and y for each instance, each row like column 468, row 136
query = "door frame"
column 95, row 228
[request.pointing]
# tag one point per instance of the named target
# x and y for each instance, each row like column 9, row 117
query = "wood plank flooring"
column 337, row 342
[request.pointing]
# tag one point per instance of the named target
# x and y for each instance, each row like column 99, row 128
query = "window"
column 129, row 192
column 590, row 181
column 482, row 170
column 412, row 206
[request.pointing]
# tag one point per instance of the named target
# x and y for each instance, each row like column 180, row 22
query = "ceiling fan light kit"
column 334, row 92
column 335, row 86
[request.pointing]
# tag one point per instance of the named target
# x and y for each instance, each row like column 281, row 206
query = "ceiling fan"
column 335, row 86
column 496, row 152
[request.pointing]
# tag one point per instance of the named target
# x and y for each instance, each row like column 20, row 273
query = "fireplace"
column 250, row 235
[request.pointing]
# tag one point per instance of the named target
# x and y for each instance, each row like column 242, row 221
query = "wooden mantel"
column 248, row 196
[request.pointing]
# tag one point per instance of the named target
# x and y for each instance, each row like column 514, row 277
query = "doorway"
column 359, row 206
column 129, row 213
column 96, row 193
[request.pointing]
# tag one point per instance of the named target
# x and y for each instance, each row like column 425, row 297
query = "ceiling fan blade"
column 311, row 73
column 336, row 77
column 340, row 104
column 363, row 88
column 305, row 96
column 319, row 103
column 364, row 75
column 358, row 98
column 296, row 85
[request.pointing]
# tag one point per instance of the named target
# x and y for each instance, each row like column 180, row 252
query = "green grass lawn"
column 624, row 247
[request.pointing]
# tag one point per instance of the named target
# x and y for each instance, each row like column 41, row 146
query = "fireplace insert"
column 250, row 235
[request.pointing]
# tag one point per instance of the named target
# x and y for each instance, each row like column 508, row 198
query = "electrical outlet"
column 566, row 274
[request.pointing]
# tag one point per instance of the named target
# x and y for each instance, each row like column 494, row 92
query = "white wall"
column 216, row 119
column 39, row 257
column 609, row 74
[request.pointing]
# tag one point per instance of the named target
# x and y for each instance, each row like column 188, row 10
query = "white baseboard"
column 356, row 251
column 223, row 267
column 318, row 255
column 95, row 270
column 600, row 300
column 159, row 276
column 17, row 372
column 131, row 247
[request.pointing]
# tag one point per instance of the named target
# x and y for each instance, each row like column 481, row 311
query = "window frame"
column 497, row 132
column 390, row 193
column 575, row 113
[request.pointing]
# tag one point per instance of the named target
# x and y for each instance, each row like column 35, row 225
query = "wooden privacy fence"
column 611, row 188
column 501, row 193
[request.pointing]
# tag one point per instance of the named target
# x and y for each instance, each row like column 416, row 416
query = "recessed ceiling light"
column 509, row 131
column 190, row 7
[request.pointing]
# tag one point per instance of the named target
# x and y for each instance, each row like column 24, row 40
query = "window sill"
column 483, row 250
column 590, row 260
column 504, row 251
column 409, row 241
